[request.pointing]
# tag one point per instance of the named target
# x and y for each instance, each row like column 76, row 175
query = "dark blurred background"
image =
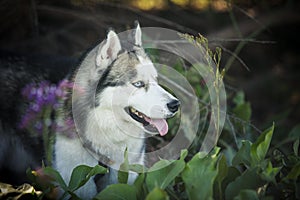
column 259, row 38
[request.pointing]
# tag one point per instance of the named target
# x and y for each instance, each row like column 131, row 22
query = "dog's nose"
column 173, row 105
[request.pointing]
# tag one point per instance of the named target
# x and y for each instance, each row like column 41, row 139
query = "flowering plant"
column 44, row 116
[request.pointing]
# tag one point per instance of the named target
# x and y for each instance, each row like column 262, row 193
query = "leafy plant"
column 252, row 174
column 248, row 167
column 50, row 181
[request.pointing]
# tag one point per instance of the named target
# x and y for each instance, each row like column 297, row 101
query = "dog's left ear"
column 108, row 52
column 138, row 35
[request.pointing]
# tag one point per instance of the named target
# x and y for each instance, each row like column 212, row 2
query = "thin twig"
column 248, row 40
column 232, row 131
column 263, row 26
column 235, row 56
column 231, row 115
column 217, row 40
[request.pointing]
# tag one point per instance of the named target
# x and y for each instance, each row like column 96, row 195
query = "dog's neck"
column 106, row 138
column 93, row 148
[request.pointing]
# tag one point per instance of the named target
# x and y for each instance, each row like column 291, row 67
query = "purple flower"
column 35, row 107
column 50, row 98
column 27, row 91
column 56, row 106
column 26, row 119
column 65, row 84
column 59, row 92
column 32, row 94
column 69, row 122
column 44, row 96
column 38, row 127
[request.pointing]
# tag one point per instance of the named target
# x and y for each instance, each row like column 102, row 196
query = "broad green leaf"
column 295, row 132
column 163, row 173
column 296, row 147
column 295, row 172
column 260, row 147
column 183, row 154
column 82, row 173
column 118, row 192
column 160, row 164
column 123, row 176
column 243, row 155
column 199, row 175
column 124, row 169
column 140, row 186
column 222, row 169
column 250, row 179
column 239, row 98
column 157, row 194
column 243, row 111
column 269, row 172
column 247, row 195
column 137, row 168
column 232, row 174
column 222, row 173
column 56, row 176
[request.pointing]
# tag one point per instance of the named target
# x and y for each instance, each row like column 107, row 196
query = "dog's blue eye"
column 138, row 84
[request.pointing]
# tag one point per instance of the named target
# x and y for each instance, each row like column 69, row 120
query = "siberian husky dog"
column 116, row 103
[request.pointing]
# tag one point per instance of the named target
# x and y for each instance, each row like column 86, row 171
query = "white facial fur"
column 152, row 99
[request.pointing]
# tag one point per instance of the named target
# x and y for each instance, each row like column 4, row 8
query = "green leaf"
column 140, row 186
column 183, row 154
column 247, row 195
column 239, row 98
column 260, row 147
column 124, row 169
column 222, row 169
column 295, row 132
column 137, row 168
column 163, row 173
column 269, row 172
column 222, row 173
column 118, row 192
column 296, row 147
column 295, row 172
column 250, row 179
column 199, row 175
column 56, row 176
column 232, row 174
column 243, row 111
column 243, row 155
column 82, row 173
column 157, row 194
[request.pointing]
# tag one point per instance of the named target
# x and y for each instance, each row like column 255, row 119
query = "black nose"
column 173, row 105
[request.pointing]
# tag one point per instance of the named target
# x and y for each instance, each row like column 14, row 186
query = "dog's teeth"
column 134, row 111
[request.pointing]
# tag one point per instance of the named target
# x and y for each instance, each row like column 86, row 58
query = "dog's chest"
column 70, row 153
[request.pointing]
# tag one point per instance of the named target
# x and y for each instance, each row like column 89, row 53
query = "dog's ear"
column 138, row 35
column 108, row 52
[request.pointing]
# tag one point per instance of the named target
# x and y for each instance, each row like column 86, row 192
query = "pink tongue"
column 160, row 124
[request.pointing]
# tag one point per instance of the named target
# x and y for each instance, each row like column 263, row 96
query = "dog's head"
column 128, row 85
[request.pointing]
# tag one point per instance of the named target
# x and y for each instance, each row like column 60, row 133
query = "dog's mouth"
column 152, row 125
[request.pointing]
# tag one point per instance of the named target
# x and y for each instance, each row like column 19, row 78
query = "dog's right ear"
column 108, row 52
